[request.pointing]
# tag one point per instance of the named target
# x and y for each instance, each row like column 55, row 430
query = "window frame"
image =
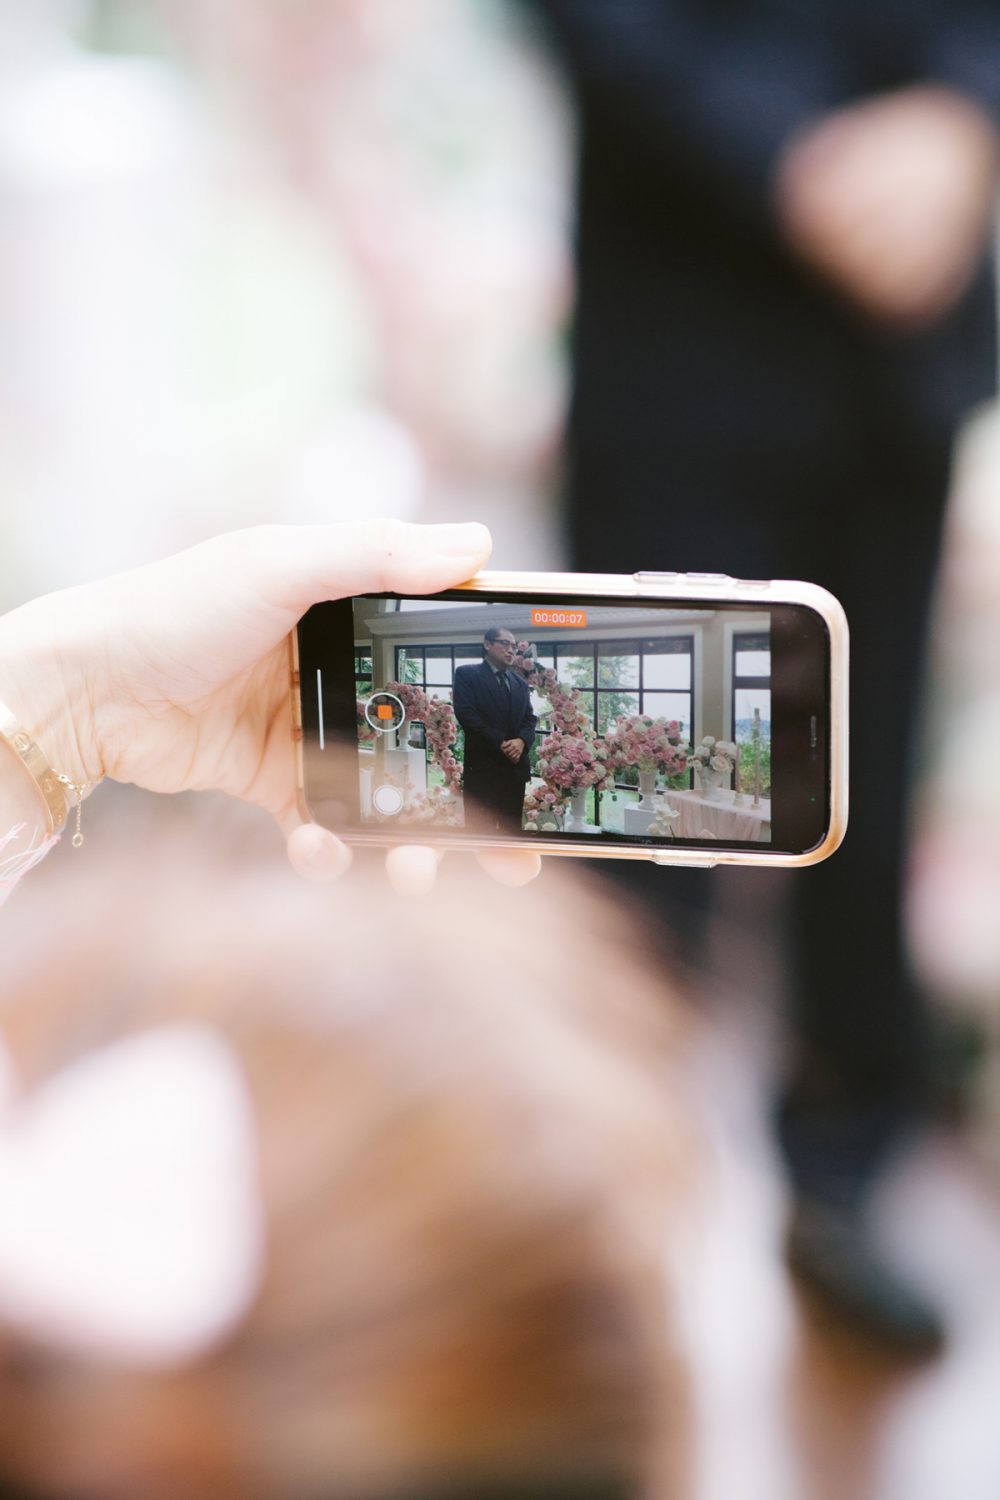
column 561, row 649
column 761, row 641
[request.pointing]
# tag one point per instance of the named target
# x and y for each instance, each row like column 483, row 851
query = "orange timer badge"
column 574, row 618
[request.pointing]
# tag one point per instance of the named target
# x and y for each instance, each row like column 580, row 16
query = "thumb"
column 294, row 567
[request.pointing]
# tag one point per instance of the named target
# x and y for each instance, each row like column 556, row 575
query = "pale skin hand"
column 892, row 200
column 513, row 749
column 176, row 676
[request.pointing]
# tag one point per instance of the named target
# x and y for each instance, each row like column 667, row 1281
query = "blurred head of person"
column 319, row 1194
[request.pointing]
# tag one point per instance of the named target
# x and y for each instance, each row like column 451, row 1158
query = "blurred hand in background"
column 891, row 199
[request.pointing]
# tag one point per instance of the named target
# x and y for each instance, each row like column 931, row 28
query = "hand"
column 175, row 676
column 513, row 749
column 892, row 200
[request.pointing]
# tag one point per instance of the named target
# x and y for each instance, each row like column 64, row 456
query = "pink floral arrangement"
column 568, row 715
column 435, row 805
column 442, row 732
column 366, row 734
column 525, row 662
column 543, row 808
column 413, row 699
column 571, row 763
column 570, row 758
column 649, row 744
column 438, row 718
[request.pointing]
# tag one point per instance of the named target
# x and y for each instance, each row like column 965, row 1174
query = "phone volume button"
column 664, row 860
column 647, row 577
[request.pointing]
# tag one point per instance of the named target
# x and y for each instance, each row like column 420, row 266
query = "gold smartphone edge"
column 653, row 587
column 298, row 749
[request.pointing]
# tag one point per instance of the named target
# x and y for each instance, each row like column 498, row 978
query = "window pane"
column 669, row 706
column 618, row 664
column 411, row 664
column 438, row 664
column 612, row 704
column 363, row 687
column 576, row 670
column 747, row 699
column 753, row 664
column 434, row 691
column 613, row 810
column 666, row 670
column 668, row 645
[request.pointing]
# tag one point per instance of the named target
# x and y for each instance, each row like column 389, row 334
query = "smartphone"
column 682, row 718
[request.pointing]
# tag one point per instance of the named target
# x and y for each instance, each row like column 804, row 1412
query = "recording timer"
column 573, row 618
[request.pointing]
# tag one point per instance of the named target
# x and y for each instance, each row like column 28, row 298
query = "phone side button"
column 688, row 864
column 655, row 577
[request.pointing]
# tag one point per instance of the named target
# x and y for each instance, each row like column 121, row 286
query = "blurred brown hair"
column 472, row 1173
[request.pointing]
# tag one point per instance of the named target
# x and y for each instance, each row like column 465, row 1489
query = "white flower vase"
column 576, row 815
column 647, row 786
column 711, row 780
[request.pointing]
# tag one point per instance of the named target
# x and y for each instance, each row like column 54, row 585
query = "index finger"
column 295, row 567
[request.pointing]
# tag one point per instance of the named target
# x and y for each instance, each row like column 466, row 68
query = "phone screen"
column 702, row 724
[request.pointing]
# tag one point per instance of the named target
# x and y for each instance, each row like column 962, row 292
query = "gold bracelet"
column 32, row 757
column 50, row 783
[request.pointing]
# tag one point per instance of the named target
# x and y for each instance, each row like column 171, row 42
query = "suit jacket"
column 488, row 718
column 695, row 323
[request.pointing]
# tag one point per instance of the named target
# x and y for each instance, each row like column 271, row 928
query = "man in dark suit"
column 785, row 308
column 493, row 706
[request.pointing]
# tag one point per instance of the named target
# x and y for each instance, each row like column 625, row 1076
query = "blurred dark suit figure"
column 493, row 706
column 785, row 308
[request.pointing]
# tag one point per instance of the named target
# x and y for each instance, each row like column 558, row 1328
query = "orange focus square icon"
column 384, row 710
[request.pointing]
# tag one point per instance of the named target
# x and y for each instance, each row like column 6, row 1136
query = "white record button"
column 388, row 800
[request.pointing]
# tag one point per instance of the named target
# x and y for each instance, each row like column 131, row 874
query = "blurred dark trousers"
column 866, row 526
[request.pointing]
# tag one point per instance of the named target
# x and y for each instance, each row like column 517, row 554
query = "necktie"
column 504, row 682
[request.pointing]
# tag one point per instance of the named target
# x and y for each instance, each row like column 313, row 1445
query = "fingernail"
column 467, row 539
column 318, row 854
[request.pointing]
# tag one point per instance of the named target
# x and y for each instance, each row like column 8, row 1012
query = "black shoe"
column 830, row 1247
